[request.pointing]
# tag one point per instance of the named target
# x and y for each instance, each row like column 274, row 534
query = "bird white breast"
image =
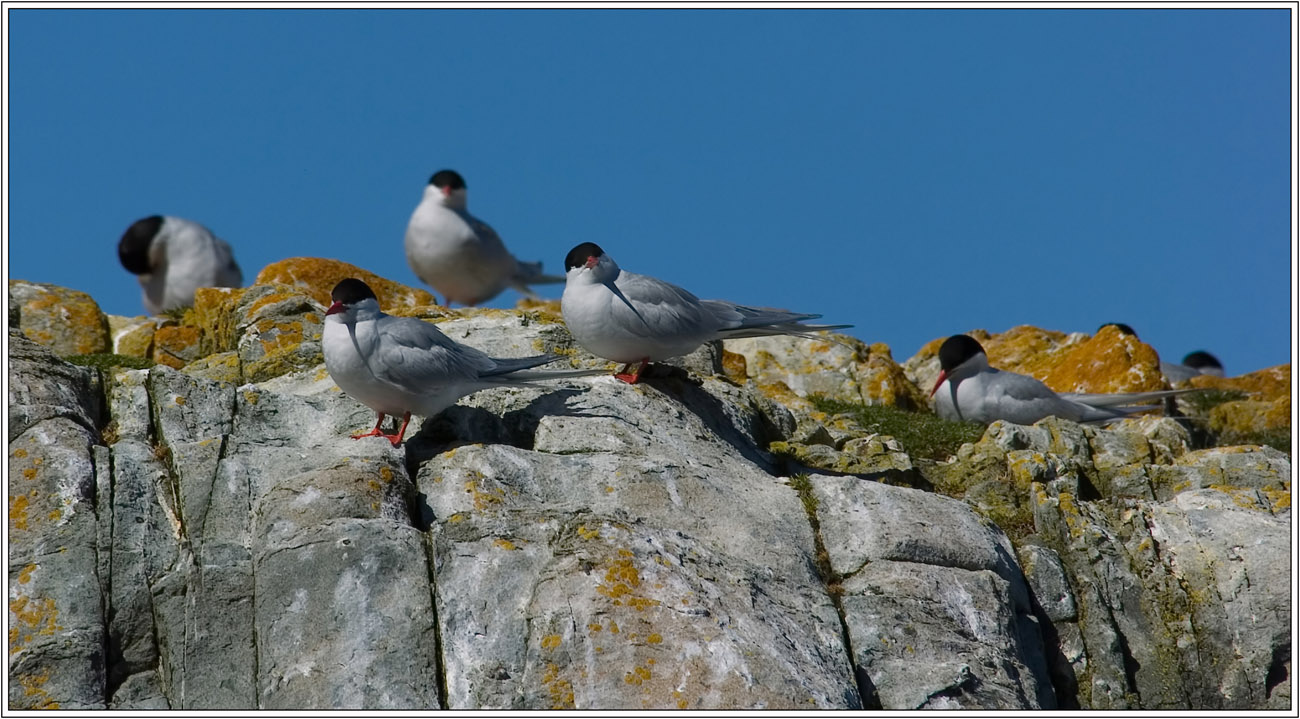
column 606, row 327
column 446, row 253
column 345, row 359
column 188, row 257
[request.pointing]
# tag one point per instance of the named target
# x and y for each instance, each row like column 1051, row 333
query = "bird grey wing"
column 506, row 365
column 488, row 237
column 744, row 321
column 1024, row 400
column 530, row 273
column 228, row 272
column 413, row 354
column 650, row 307
column 1177, row 372
column 1113, row 399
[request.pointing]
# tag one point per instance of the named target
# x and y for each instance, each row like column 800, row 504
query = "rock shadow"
column 688, row 389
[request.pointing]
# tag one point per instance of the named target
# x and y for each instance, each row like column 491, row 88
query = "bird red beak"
column 943, row 375
column 335, row 308
column 591, row 261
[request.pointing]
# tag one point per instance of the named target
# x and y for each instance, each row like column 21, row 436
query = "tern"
column 172, row 257
column 968, row 389
column 460, row 255
column 637, row 319
column 404, row 366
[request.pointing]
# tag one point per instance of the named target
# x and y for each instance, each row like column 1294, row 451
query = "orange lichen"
column 317, row 276
column 32, row 618
column 733, row 366
column 18, row 511
column 67, row 321
column 882, row 380
column 176, row 346
column 1109, row 361
column 34, row 694
column 484, row 499
column 560, row 689
column 1266, row 384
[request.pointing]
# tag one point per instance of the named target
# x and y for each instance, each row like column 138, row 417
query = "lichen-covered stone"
column 211, row 539
column 877, row 456
column 611, row 544
column 55, row 618
column 278, row 329
column 133, row 336
column 1263, row 413
column 176, row 345
column 67, row 321
column 316, row 277
column 837, row 367
column 222, row 366
column 1109, row 361
column 975, row 644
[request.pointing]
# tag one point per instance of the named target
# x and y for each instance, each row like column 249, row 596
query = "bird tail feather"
column 521, row 369
column 1114, row 399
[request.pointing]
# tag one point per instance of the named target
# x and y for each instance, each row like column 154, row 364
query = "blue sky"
column 914, row 172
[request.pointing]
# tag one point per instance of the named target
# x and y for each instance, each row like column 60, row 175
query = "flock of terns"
column 401, row 366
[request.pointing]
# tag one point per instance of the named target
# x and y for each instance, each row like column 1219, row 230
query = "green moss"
column 106, row 360
column 179, row 314
column 801, row 484
column 921, row 434
column 1277, row 438
column 1205, row 400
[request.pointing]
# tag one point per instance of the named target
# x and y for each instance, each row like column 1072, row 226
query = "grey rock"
column 56, row 619
column 187, row 542
column 1050, row 585
column 616, row 546
column 937, row 609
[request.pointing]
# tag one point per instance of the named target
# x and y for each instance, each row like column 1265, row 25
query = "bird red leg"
column 632, row 377
column 374, row 432
column 396, row 439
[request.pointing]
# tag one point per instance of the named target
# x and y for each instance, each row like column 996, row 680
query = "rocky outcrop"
column 716, row 537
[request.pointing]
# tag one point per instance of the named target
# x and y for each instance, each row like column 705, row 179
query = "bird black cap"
column 577, row 256
column 133, row 248
column 1201, row 359
column 352, row 291
column 447, row 178
column 956, row 350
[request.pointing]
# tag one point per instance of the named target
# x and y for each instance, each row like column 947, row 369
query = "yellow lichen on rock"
column 31, row 618
column 223, row 367
column 541, row 310
column 1265, row 408
column 214, row 313
column 883, row 381
column 317, row 276
column 1109, row 361
column 67, row 321
column 176, row 345
column 132, row 336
